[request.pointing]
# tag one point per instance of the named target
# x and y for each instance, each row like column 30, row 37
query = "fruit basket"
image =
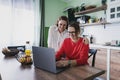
column 10, row 52
column 24, row 60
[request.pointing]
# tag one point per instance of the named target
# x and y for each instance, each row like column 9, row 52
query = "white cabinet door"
column 113, row 11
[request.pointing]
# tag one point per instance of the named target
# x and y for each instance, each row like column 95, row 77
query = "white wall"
column 101, row 34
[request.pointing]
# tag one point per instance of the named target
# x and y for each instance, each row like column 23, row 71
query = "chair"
column 92, row 53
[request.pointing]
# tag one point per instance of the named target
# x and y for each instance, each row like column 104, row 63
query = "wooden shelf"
column 92, row 24
column 103, row 7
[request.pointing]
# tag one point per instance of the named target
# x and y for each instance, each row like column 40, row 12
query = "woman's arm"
column 65, row 63
column 50, row 35
column 83, row 57
column 84, row 53
column 61, row 51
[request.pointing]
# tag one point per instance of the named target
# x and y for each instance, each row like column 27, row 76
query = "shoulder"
column 53, row 28
column 85, row 40
column 66, row 39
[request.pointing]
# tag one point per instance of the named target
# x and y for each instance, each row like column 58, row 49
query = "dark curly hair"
column 75, row 25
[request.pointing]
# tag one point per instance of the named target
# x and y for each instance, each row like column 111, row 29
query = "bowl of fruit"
column 10, row 52
column 23, row 59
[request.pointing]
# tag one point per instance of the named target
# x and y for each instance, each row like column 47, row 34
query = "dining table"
column 11, row 69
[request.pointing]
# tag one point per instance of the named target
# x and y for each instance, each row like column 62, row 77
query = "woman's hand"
column 62, row 63
column 85, row 40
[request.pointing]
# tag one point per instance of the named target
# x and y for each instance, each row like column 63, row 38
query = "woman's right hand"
column 62, row 63
column 65, row 63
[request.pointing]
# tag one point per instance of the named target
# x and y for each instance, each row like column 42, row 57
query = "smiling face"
column 74, row 31
column 62, row 24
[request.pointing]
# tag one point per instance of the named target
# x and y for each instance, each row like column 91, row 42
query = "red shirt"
column 74, row 51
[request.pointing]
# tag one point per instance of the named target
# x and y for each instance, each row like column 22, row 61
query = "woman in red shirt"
column 75, row 48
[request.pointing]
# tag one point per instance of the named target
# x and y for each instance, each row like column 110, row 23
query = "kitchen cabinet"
column 113, row 11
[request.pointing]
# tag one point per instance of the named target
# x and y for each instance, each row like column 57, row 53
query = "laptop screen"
column 44, row 58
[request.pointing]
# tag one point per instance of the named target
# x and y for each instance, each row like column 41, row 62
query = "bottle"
column 91, row 39
column 28, row 49
column 103, row 2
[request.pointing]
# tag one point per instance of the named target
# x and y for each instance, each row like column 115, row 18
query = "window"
column 113, row 11
column 17, row 22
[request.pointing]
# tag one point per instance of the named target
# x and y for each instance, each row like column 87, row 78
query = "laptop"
column 44, row 58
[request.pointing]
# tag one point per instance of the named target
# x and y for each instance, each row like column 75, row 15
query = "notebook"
column 44, row 58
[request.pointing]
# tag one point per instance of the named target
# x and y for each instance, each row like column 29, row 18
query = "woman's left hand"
column 62, row 63
column 85, row 40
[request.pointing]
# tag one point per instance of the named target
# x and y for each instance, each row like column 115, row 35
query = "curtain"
column 19, row 22
column 37, row 22
column 42, row 30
